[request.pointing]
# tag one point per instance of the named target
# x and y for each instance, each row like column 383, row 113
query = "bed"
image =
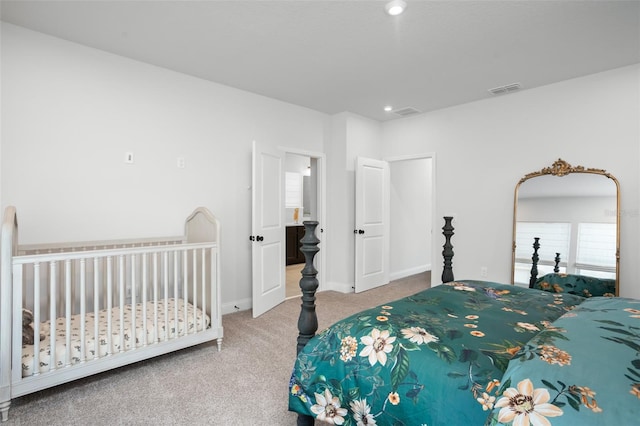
column 470, row 352
column 76, row 309
column 560, row 282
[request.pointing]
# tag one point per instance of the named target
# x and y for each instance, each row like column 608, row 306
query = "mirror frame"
column 561, row 168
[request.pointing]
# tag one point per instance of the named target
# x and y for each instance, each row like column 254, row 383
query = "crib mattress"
column 157, row 330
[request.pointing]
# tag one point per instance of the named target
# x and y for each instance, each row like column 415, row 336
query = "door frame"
column 321, row 214
column 434, row 226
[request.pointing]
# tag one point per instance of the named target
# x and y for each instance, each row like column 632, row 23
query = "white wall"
column 69, row 114
column 484, row 148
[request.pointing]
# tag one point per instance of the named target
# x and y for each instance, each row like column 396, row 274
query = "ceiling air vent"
column 505, row 89
column 406, row 111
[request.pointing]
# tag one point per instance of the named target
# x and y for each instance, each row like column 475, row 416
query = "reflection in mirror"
column 574, row 213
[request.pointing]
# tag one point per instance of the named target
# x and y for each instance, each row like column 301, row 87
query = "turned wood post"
column 534, row 262
column 556, row 268
column 447, row 253
column 308, row 321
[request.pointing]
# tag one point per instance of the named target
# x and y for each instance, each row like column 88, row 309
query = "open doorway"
column 412, row 207
column 301, row 204
column 400, row 239
column 268, row 222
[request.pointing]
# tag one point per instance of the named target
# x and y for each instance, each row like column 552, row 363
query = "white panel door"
column 372, row 224
column 267, row 229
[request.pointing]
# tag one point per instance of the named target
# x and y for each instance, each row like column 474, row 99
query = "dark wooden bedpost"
column 308, row 321
column 534, row 263
column 556, row 268
column 447, row 253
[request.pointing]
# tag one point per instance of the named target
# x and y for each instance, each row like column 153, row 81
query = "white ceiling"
column 335, row 56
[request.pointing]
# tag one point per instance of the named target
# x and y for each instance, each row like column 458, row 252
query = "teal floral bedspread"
column 580, row 285
column 582, row 370
column 434, row 358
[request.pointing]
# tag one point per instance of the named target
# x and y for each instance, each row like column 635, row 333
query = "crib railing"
column 57, row 286
column 129, row 270
column 48, row 248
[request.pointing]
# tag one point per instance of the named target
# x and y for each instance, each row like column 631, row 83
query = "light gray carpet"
column 245, row 384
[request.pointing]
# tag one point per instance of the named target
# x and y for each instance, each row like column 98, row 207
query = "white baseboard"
column 338, row 286
column 408, row 272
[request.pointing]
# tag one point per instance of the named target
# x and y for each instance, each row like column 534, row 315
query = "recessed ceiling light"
column 388, row 108
column 395, row 7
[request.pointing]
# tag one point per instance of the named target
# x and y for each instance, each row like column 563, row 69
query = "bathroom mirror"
column 574, row 211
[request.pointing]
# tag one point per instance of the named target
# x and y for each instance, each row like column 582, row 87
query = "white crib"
column 102, row 305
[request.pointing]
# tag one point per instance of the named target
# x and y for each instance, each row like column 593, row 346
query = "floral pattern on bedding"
column 434, row 358
column 580, row 285
column 190, row 319
column 584, row 370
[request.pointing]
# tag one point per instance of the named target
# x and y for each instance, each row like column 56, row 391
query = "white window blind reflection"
column 293, row 190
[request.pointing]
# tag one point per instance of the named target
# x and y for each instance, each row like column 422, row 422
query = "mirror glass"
column 574, row 211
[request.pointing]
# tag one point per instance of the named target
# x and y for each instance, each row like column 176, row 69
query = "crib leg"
column 4, row 410
column 219, row 345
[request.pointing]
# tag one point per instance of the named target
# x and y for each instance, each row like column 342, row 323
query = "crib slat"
column 155, row 297
column 185, row 289
column 96, row 307
column 67, row 302
column 165, row 273
column 195, row 283
column 121, row 291
column 52, row 316
column 73, row 296
column 36, row 318
column 175, row 290
column 145, row 283
column 204, row 282
column 83, row 309
column 60, row 279
column 109, row 303
column 133, row 327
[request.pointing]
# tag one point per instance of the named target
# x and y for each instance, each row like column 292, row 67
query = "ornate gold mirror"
column 574, row 214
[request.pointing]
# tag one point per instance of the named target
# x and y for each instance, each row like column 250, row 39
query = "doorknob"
column 360, row 231
column 259, row 238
